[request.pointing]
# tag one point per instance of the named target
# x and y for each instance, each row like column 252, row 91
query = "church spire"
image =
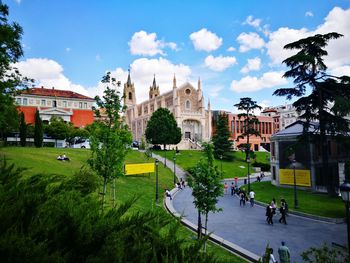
column 154, row 81
column 199, row 83
column 129, row 79
column 174, row 82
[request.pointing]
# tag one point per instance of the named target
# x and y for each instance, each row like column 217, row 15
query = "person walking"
column 251, row 197
column 284, row 254
column 232, row 188
column 242, row 198
column 283, row 213
column 272, row 257
column 269, row 214
column 273, row 205
column 225, row 187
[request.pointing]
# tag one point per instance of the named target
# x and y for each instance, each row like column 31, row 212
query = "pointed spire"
column 154, row 81
column 208, row 104
column 129, row 79
column 174, row 82
column 199, row 83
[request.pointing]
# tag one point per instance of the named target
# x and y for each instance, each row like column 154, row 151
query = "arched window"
column 130, row 96
column 188, row 105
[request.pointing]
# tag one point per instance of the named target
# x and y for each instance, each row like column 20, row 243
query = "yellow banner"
column 302, row 177
column 139, row 168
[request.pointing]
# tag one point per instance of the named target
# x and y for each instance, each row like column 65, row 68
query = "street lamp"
column 295, row 187
column 221, row 164
column 345, row 195
column 174, row 158
column 156, row 163
column 248, row 162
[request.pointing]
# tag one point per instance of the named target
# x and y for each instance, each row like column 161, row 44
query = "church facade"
column 185, row 102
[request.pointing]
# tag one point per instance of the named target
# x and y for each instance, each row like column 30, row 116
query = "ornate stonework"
column 185, row 102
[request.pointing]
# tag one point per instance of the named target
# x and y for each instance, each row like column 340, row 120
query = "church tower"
column 129, row 93
column 154, row 89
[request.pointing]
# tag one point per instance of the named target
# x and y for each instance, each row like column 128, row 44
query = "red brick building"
column 266, row 128
column 70, row 106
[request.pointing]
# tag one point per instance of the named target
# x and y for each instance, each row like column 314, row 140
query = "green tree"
column 328, row 101
column 22, row 130
column 221, row 138
column 38, row 130
column 162, row 129
column 10, row 78
column 251, row 122
column 206, row 186
column 57, row 129
column 110, row 137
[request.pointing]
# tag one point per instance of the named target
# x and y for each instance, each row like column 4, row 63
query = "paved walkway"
column 247, row 228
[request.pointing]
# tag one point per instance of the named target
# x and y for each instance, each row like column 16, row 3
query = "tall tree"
column 206, row 185
column 162, row 129
column 57, row 129
column 22, row 130
column 251, row 122
column 109, row 137
column 328, row 101
column 221, row 138
column 10, row 78
column 38, row 130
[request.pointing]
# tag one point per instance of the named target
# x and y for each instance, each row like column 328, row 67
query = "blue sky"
column 234, row 47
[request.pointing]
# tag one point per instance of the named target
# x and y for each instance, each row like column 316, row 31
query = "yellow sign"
column 302, row 177
column 139, row 168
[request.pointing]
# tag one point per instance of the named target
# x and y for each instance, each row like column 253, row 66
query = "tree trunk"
column 113, row 191
column 104, row 192
column 199, row 230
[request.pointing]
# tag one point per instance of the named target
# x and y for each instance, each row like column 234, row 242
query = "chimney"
column 42, row 87
column 53, row 88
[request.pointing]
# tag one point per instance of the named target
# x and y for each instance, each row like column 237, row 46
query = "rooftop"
column 55, row 93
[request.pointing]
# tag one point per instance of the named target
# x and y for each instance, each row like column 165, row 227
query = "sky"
column 234, row 47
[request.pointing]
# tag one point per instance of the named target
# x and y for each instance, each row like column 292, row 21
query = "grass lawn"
column 311, row 203
column 189, row 158
column 43, row 160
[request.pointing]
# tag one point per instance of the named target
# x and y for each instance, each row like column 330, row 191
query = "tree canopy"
column 221, row 138
column 328, row 101
column 247, row 105
column 162, row 128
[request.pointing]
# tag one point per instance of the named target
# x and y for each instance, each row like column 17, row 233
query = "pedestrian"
column 242, row 198
column 251, row 197
column 272, row 257
column 232, row 189
column 283, row 213
column 262, row 175
column 167, row 193
column 225, row 187
column 182, row 181
column 269, row 214
column 283, row 252
column 273, row 205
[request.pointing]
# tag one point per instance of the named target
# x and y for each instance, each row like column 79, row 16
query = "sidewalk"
column 244, row 230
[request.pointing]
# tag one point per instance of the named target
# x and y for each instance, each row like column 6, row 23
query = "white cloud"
column 219, row 63
column 48, row 73
column 337, row 20
column 309, row 14
column 249, row 41
column 146, row 44
column 98, row 57
column 68, row 49
column 18, row 1
column 213, row 91
column 231, row 49
column 205, row 40
column 341, row 71
column 252, row 64
column 253, row 22
column 251, row 84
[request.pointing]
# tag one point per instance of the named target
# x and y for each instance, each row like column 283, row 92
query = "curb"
column 237, row 250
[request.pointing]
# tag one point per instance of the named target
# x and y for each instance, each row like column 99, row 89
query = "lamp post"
column 221, row 164
column 295, row 187
column 174, row 158
column 248, row 162
column 345, row 195
column 156, row 163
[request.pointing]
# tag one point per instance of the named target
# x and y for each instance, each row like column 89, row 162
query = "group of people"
column 180, row 185
column 271, row 211
column 283, row 253
column 62, row 157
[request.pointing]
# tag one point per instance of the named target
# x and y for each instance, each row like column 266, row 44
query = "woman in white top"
column 272, row 257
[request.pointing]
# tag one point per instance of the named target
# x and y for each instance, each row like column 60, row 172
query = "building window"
column 25, row 101
column 19, row 101
column 130, row 96
column 64, row 104
column 43, row 102
column 232, row 126
column 188, row 91
column 54, row 104
column 80, row 105
column 188, row 105
column 85, row 105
